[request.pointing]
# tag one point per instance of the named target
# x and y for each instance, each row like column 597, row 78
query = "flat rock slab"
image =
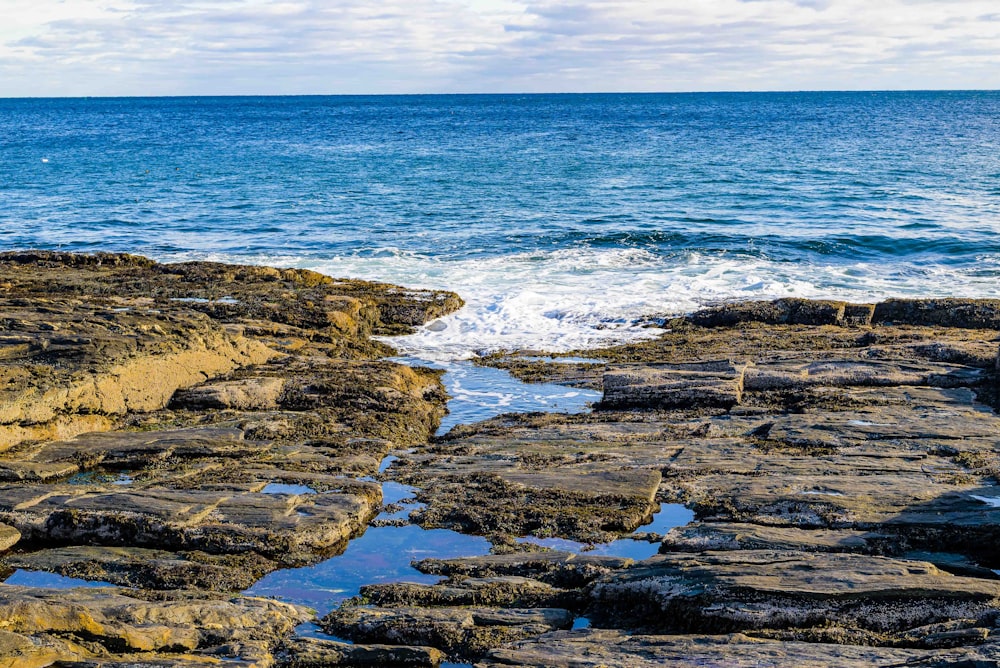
column 137, row 449
column 722, row 384
column 459, row 631
column 561, row 569
column 600, row 486
column 317, row 653
column 495, row 488
column 711, row 384
column 758, row 589
column 715, row 536
column 147, row 568
column 122, row 623
column 600, row 648
column 272, row 525
column 798, row 374
column 501, row 591
column 955, row 420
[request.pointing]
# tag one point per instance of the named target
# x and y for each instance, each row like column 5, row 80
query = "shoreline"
column 840, row 459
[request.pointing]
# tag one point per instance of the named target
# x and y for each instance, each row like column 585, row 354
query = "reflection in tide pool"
column 45, row 580
column 670, row 515
column 480, row 393
column 284, row 488
column 382, row 554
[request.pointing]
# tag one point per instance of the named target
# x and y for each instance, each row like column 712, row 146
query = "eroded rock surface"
column 465, row 631
column 185, row 429
column 45, row 625
column 600, row 648
column 841, row 460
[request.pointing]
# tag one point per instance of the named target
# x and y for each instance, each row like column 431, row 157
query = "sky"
column 272, row 47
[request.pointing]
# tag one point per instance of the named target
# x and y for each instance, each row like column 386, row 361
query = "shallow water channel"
column 383, row 554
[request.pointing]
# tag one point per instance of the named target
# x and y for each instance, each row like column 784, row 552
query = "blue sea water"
column 562, row 219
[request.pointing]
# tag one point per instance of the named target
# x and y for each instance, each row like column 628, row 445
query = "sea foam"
column 582, row 298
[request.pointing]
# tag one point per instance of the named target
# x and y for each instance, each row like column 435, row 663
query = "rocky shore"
column 146, row 409
column 179, row 431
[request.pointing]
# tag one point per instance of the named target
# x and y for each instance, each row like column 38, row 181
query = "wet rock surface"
column 107, row 623
column 598, row 648
column 318, row 653
column 182, row 430
column 841, row 460
column 462, row 631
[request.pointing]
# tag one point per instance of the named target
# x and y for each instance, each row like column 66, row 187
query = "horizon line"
column 511, row 94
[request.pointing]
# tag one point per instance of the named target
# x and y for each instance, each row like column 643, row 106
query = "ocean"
column 565, row 221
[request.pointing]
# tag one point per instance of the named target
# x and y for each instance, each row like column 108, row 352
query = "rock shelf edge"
column 841, row 460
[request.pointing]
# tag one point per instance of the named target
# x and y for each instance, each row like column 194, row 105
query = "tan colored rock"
column 120, row 375
column 29, row 611
column 60, row 427
column 9, row 537
column 273, row 525
column 951, row 312
column 123, row 624
column 21, row 651
column 242, row 394
column 148, row 568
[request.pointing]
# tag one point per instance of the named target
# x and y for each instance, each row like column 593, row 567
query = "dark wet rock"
column 711, row 384
column 966, row 313
column 560, row 569
column 598, row 648
column 583, row 374
column 748, row 590
column 317, row 653
column 147, row 568
column 499, row 591
column 226, row 292
column 9, row 537
column 459, row 631
column 778, row 312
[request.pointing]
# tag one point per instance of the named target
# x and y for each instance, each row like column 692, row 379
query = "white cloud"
column 95, row 47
